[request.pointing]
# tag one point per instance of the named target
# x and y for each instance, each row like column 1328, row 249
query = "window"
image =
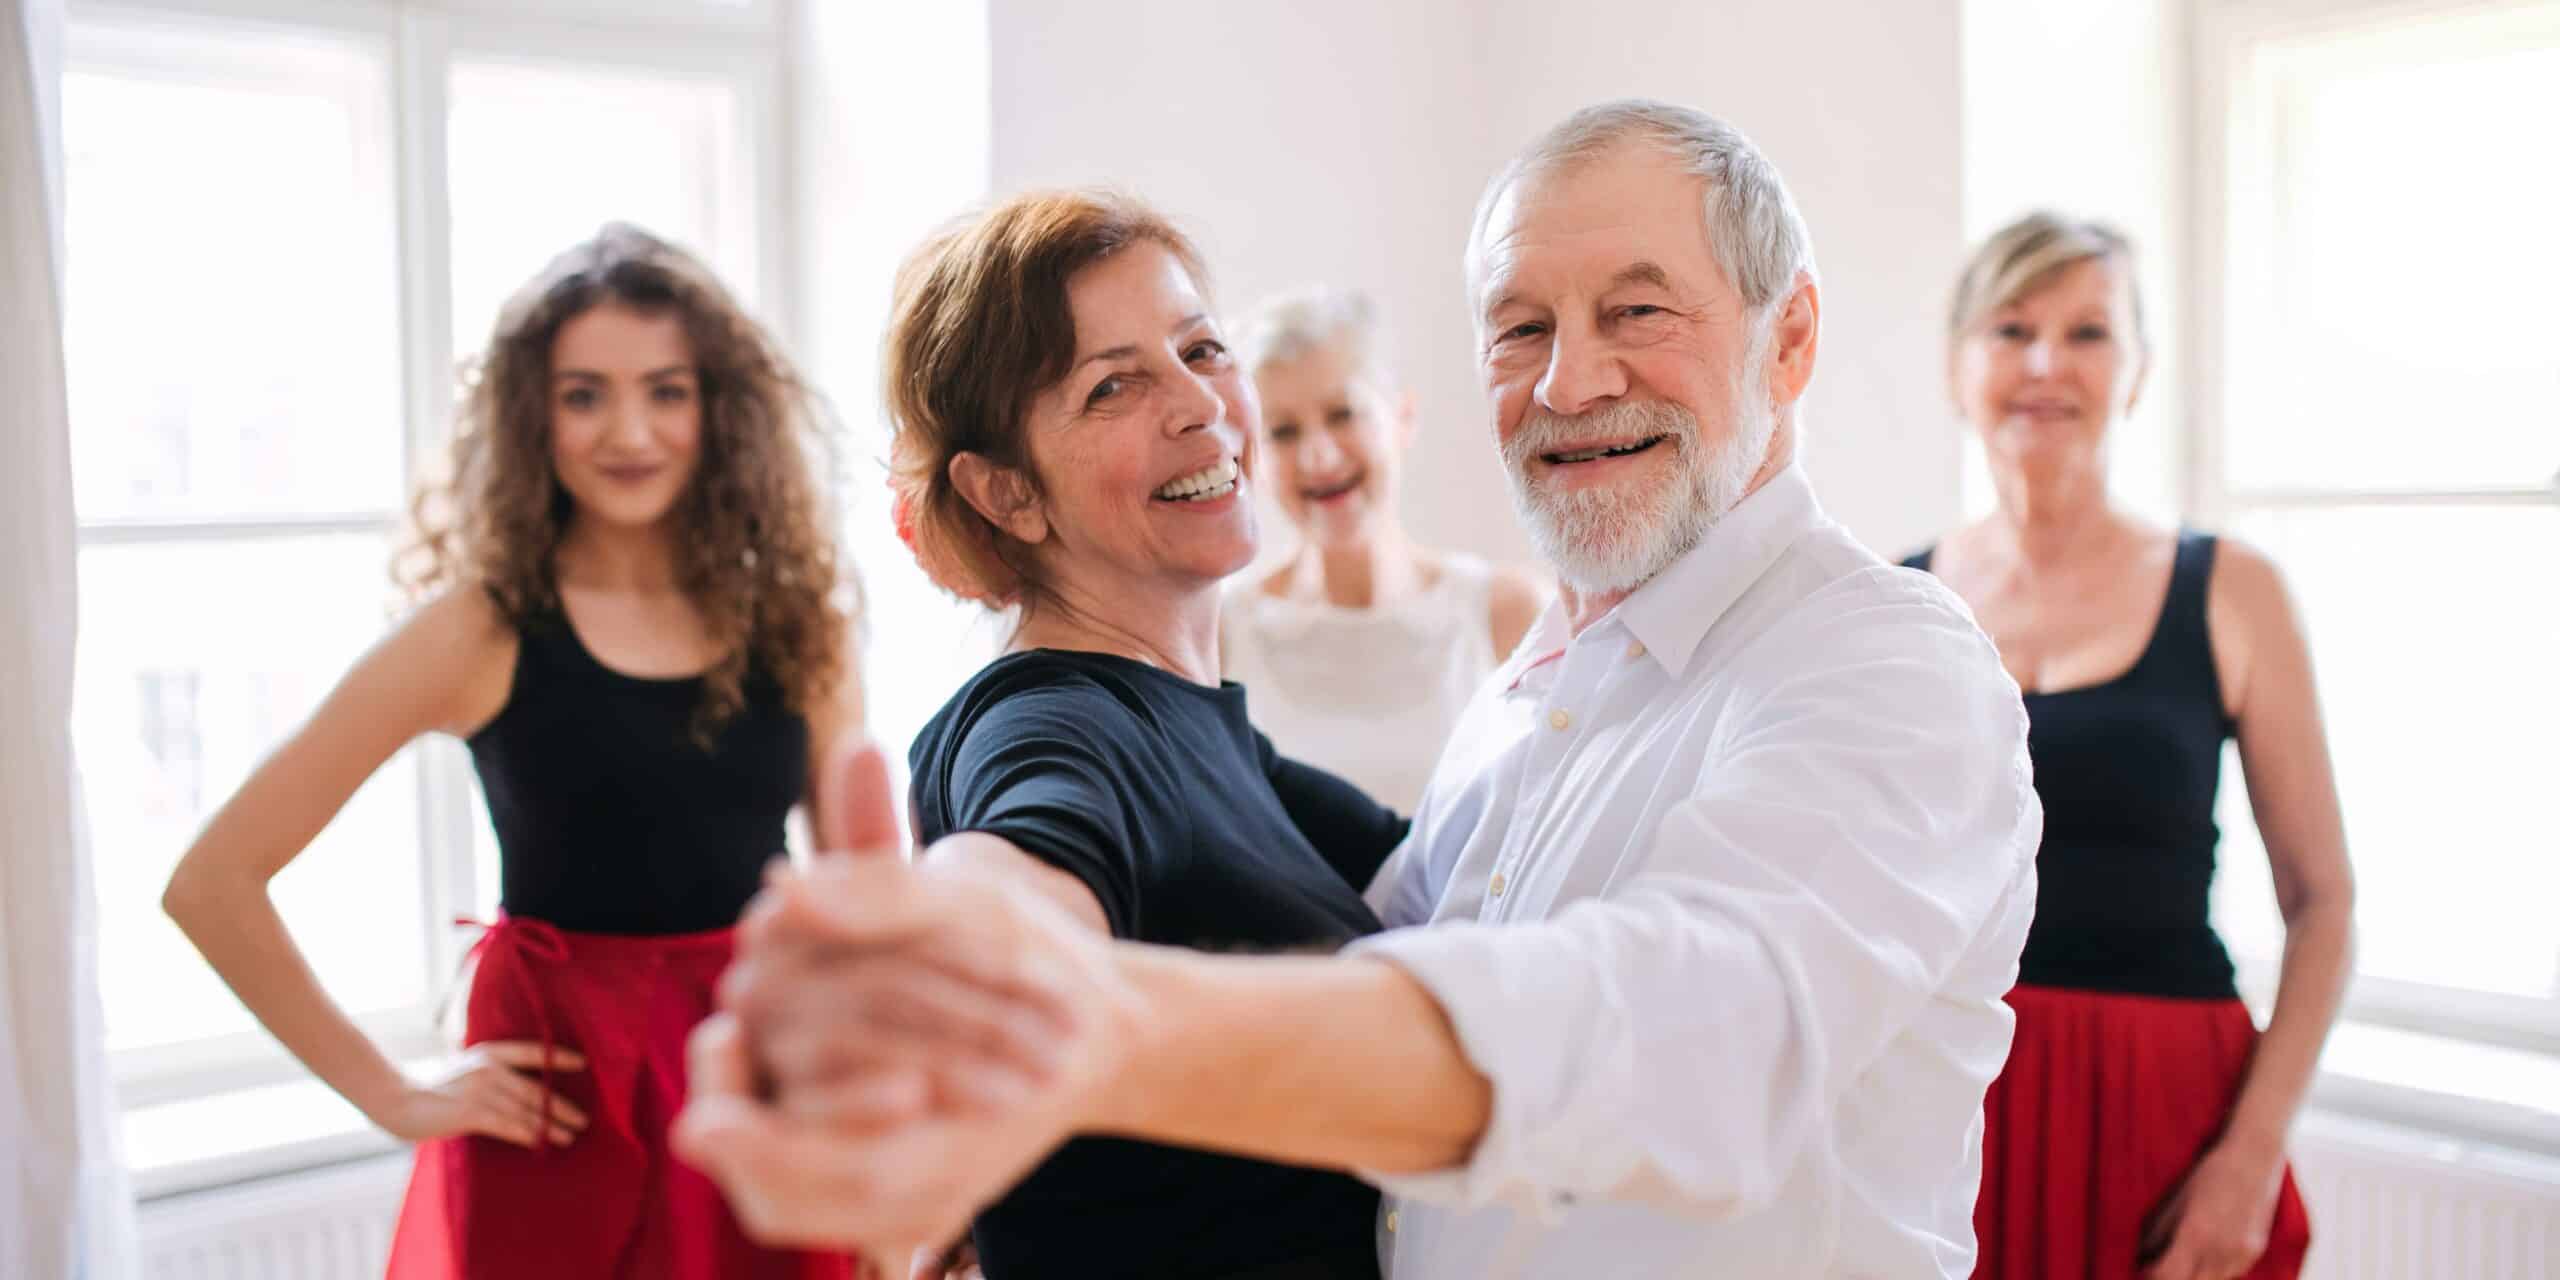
column 2385, row 422
column 284, row 223
column 233, row 525
column 542, row 153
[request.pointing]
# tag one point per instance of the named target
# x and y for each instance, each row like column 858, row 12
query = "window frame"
column 2238, row 149
column 415, row 45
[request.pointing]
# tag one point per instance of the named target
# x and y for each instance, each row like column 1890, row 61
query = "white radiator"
column 2391, row 1204
column 2386, row 1204
column 326, row 1224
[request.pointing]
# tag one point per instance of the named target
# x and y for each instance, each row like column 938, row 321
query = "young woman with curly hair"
column 631, row 615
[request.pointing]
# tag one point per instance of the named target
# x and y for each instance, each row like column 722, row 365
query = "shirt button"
column 1559, row 720
column 1635, row 648
column 1495, row 888
column 1391, row 1221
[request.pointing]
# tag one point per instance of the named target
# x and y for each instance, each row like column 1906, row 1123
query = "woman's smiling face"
column 1143, row 451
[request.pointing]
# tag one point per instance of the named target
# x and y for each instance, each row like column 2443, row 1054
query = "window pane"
column 540, row 155
column 2434, row 631
column 231, row 325
column 2388, row 331
column 196, row 660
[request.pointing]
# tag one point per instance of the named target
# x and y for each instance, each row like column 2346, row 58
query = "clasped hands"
column 896, row 1048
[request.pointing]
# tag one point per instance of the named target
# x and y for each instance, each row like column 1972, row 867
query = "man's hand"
column 895, row 1115
column 923, row 1019
column 898, row 1046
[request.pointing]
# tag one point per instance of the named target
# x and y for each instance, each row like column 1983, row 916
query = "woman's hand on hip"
column 493, row 1089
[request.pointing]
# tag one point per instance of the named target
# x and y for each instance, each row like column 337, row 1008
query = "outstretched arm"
column 1674, row 1043
column 1346, row 1063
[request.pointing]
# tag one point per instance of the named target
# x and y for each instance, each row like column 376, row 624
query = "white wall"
column 1337, row 141
column 1346, row 141
column 891, row 134
column 1857, row 104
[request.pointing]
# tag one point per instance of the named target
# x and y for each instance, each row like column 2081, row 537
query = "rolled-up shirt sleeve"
column 1676, row 1041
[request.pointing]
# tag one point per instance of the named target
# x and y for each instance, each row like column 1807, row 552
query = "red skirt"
column 2107, row 1101
column 615, row 1202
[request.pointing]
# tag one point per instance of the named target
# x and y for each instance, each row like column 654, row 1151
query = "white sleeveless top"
column 1369, row 694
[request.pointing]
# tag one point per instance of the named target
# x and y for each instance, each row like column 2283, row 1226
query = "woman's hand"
column 491, row 1089
column 2215, row 1225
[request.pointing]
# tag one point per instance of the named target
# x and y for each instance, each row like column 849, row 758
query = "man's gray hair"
column 1295, row 325
column 1752, row 224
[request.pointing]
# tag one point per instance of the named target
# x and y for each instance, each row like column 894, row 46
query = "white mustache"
column 1541, row 432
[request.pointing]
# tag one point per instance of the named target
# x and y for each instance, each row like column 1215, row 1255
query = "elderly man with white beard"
column 1716, row 891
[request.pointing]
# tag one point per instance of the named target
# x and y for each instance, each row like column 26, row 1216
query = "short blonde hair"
column 2026, row 255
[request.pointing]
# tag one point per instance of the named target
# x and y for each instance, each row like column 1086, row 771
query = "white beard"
column 1602, row 540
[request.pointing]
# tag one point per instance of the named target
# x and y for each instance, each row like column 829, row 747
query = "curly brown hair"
column 756, row 555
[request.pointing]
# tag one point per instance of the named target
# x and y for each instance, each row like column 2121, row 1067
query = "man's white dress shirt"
column 1724, row 893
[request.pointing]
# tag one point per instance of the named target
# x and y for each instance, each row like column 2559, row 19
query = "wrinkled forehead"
column 1139, row 293
column 1575, row 229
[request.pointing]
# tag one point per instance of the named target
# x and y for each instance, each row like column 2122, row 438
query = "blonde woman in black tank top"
column 2140, row 1125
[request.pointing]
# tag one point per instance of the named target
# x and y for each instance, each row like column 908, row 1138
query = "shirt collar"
column 1673, row 611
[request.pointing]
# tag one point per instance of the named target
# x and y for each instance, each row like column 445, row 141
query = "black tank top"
column 2128, row 771
column 610, row 816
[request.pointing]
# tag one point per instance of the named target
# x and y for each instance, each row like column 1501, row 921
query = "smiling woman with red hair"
column 1074, row 441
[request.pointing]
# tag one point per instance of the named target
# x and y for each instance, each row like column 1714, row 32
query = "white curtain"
column 65, row 1210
